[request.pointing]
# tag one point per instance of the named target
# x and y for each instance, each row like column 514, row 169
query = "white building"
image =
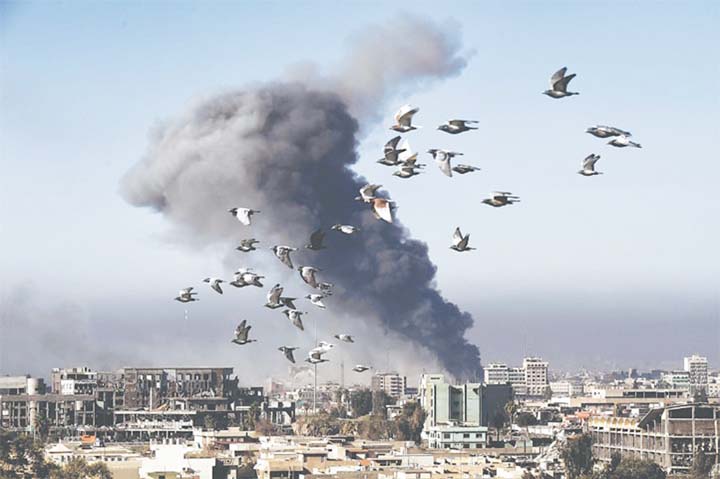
column 500, row 373
column 677, row 379
column 456, row 437
column 697, row 368
column 536, row 376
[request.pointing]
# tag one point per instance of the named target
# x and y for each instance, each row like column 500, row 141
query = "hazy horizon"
column 609, row 272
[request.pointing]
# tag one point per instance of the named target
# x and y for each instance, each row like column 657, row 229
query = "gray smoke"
column 287, row 148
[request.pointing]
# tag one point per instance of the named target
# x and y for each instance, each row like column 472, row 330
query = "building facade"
column 457, row 437
column 393, row 384
column 697, row 369
column 536, row 376
column 668, row 436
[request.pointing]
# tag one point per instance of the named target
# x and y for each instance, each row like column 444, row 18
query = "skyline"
column 652, row 258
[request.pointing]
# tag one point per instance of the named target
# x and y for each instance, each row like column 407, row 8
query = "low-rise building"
column 456, row 437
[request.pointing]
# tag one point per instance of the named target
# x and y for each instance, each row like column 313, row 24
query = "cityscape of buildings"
column 200, row 423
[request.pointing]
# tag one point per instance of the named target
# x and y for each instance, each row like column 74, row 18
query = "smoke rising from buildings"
column 287, row 149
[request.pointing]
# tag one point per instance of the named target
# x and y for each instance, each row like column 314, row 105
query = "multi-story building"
column 465, row 404
column 529, row 380
column 73, row 381
column 668, row 436
column 393, row 384
column 151, row 387
column 697, row 369
column 536, row 376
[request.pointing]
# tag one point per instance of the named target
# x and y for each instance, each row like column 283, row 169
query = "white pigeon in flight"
column 457, row 126
column 460, row 242
column 359, row 368
column 391, row 152
column 588, row 166
column 462, row 169
column 315, row 357
column 246, row 277
column 275, row 299
column 243, row 215
column 247, row 245
column 559, row 83
column 406, row 172
column 295, row 317
column 316, row 299
column 403, row 119
column 622, row 141
column 186, row 295
column 307, row 273
column 346, row 338
column 215, row 284
column 501, row 198
column 367, row 193
column 323, row 346
column 283, row 254
column 442, row 158
column 345, row 229
column 602, row 131
column 382, row 209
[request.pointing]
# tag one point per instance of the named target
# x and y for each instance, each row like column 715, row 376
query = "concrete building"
column 536, row 376
column 697, row 369
column 73, row 381
column 677, row 379
column 668, row 436
column 456, row 437
column 393, row 384
column 470, row 403
column 151, row 387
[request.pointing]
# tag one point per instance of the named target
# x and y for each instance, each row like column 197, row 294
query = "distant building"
column 73, row 381
column 456, row 437
column 151, row 387
column 465, row 404
column 677, row 379
column 697, row 369
column 668, row 436
column 529, row 380
column 393, row 384
column 536, row 376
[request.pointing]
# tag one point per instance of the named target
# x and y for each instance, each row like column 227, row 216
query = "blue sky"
column 616, row 270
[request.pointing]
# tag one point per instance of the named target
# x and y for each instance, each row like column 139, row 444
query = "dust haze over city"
column 128, row 133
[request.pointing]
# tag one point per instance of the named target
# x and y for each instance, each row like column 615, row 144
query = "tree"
column 379, row 400
column 361, row 402
column 701, row 466
column 631, row 468
column 498, row 421
column 265, row 427
column 511, row 408
column 77, row 468
column 41, row 426
column 410, row 422
column 577, row 456
column 525, row 419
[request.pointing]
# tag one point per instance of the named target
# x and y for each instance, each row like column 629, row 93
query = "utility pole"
column 315, row 377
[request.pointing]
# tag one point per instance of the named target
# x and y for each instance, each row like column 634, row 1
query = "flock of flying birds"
column 395, row 154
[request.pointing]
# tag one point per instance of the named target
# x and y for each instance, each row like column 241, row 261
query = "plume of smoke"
column 287, row 149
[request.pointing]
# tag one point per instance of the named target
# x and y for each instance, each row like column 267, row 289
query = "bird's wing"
column 557, row 76
column 445, row 166
column 285, row 258
column 244, row 216
column 405, row 118
column 392, row 144
column 618, row 131
column 562, row 84
column 316, row 238
column 464, row 242
column 457, row 236
column 381, row 207
column 273, row 295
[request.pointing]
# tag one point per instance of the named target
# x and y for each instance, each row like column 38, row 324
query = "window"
column 466, row 435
